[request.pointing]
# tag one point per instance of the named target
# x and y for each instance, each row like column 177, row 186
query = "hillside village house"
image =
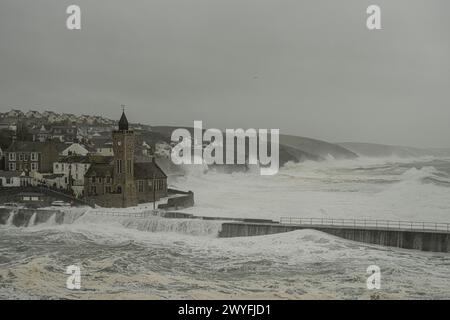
column 124, row 181
column 105, row 149
column 33, row 114
column 13, row 113
column 73, row 168
column 103, row 146
column 55, row 181
column 6, row 125
column 75, row 149
column 14, row 179
column 64, row 132
column 2, row 160
column 30, row 156
column 41, row 134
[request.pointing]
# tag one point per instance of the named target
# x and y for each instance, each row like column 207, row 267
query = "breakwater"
column 425, row 240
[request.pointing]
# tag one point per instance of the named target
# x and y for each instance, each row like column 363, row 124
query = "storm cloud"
column 309, row 68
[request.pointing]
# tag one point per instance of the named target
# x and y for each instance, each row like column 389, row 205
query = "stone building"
column 127, row 180
column 31, row 156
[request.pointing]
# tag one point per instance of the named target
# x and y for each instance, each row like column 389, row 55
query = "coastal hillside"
column 292, row 148
column 317, row 148
column 381, row 150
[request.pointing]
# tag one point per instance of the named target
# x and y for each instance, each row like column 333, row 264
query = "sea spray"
column 10, row 220
column 194, row 227
column 32, row 220
column 52, row 220
column 71, row 216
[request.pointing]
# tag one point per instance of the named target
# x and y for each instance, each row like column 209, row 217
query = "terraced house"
column 29, row 156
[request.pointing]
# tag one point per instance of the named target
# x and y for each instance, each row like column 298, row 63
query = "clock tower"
column 123, row 147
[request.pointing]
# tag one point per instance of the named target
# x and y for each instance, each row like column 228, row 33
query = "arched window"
column 119, row 189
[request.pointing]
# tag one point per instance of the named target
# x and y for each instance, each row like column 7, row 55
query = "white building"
column 75, row 149
column 163, row 149
column 146, row 149
column 72, row 168
column 42, row 135
column 55, row 181
column 105, row 149
column 14, row 113
column 33, row 114
column 14, row 179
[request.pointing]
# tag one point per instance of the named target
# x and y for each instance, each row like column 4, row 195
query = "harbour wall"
column 425, row 240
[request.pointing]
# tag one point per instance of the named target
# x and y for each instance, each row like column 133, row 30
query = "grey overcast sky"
column 309, row 67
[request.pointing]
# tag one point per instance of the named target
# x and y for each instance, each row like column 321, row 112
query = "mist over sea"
column 172, row 258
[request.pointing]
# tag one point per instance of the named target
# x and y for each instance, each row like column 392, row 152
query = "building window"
column 140, row 186
column 34, row 166
column 129, row 166
column 108, row 179
column 150, row 184
column 119, row 189
column 93, row 190
column 99, row 180
column 93, row 179
column 12, row 156
column 108, row 189
column 56, row 165
column 8, row 180
column 25, row 157
column 12, row 167
column 20, row 156
column 119, row 166
column 159, row 184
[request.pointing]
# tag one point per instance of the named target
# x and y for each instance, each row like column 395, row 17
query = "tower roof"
column 123, row 122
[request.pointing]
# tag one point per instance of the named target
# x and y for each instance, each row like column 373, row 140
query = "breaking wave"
column 194, row 227
column 426, row 175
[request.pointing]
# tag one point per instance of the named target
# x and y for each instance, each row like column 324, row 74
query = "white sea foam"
column 388, row 188
column 32, row 220
column 151, row 257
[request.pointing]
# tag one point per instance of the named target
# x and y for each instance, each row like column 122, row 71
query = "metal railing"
column 142, row 214
column 368, row 223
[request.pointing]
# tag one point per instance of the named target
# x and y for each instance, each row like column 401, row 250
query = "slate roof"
column 92, row 158
column 123, row 122
column 74, row 159
column 26, row 146
column 148, row 170
column 9, row 174
column 53, row 176
column 100, row 170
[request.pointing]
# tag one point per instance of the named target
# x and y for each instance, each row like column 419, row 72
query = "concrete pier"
column 425, row 240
